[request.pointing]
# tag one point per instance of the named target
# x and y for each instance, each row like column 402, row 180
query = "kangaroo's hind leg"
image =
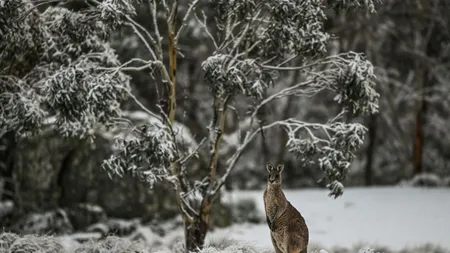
column 277, row 250
column 296, row 244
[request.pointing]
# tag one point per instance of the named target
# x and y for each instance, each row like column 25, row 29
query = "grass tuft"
column 113, row 244
column 35, row 244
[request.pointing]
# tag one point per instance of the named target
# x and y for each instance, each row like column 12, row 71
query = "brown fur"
column 289, row 232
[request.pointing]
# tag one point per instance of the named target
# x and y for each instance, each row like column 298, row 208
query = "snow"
column 394, row 217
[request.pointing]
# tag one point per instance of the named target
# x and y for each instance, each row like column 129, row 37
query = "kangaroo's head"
column 274, row 177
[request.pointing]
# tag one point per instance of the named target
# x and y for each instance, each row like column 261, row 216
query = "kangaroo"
column 288, row 230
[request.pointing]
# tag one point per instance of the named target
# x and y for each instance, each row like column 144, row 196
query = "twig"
column 185, row 159
column 185, row 18
column 206, row 29
column 142, row 106
column 288, row 60
column 292, row 68
column 134, row 25
column 244, row 33
column 166, row 7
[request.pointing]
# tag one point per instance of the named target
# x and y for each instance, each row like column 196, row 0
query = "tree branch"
column 187, row 209
column 206, row 29
column 136, row 25
column 186, row 158
column 235, row 157
column 215, row 150
column 142, row 106
column 185, row 18
column 152, row 6
column 171, row 23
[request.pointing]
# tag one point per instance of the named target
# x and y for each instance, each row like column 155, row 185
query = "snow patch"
column 395, row 217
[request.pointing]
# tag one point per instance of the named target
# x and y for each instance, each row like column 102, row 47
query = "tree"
column 68, row 77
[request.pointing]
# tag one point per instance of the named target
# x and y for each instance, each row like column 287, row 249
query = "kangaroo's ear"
column 280, row 167
column 269, row 166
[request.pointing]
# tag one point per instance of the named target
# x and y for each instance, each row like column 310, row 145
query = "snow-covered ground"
column 395, row 217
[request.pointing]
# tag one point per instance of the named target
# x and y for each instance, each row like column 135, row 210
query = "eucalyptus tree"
column 67, row 76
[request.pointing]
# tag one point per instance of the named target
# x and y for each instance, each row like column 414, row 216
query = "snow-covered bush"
column 30, row 243
column 6, row 239
column 6, row 208
column 113, row 244
column 55, row 221
column 238, row 212
column 446, row 181
column 246, row 210
column 424, row 180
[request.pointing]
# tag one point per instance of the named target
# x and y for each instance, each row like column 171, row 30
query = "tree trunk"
column 424, row 45
column 418, row 142
column 7, row 165
column 196, row 229
column 64, row 196
column 195, row 234
column 420, row 114
column 371, row 150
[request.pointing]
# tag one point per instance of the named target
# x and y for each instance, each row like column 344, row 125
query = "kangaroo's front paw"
column 269, row 222
column 273, row 227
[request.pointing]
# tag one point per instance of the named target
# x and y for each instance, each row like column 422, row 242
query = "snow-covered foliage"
column 289, row 27
column 84, row 96
column 352, row 77
column 334, row 151
column 296, row 27
column 245, row 77
column 148, row 154
column 67, row 71
column 53, row 64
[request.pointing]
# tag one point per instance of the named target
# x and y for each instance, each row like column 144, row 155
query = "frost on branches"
column 58, row 64
column 53, row 65
column 332, row 144
column 227, row 77
column 254, row 41
column 147, row 153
